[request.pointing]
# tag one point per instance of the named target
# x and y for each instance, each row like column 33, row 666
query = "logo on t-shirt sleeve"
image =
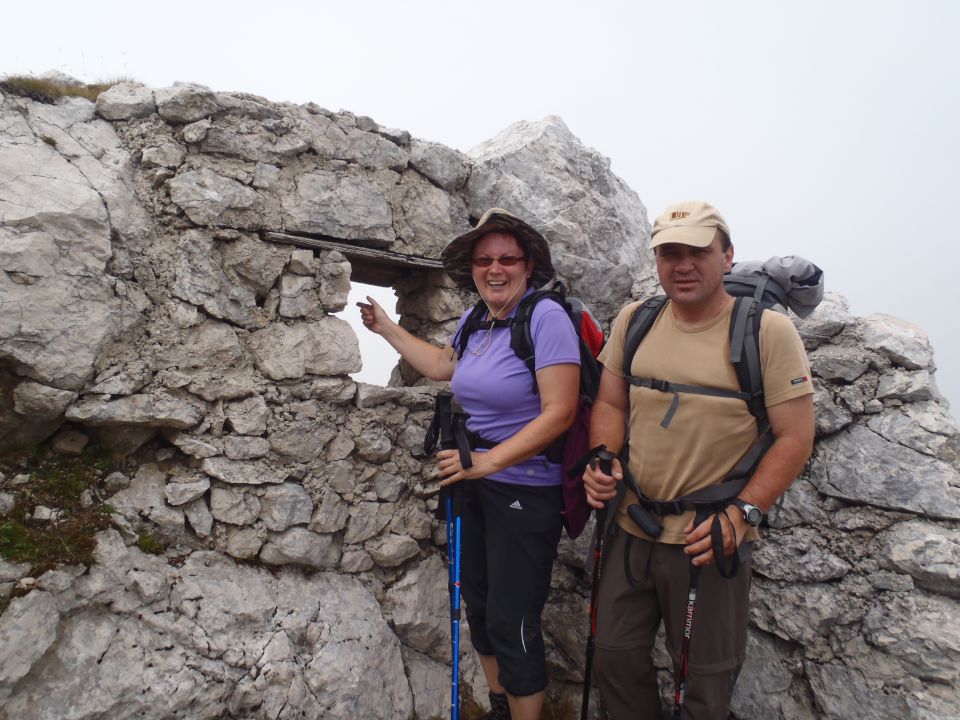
column 800, row 380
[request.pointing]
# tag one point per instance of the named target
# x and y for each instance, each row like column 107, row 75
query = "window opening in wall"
column 375, row 272
column 378, row 357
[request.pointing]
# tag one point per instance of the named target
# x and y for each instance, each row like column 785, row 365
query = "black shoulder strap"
column 745, row 352
column 471, row 325
column 521, row 339
column 640, row 323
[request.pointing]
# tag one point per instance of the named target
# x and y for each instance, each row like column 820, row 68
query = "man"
column 679, row 445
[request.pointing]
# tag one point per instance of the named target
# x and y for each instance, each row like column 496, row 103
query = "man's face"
column 691, row 276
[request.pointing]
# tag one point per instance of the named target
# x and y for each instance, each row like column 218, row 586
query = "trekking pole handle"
column 637, row 512
column 605, row 460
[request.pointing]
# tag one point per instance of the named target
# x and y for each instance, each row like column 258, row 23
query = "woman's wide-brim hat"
column 457, row 257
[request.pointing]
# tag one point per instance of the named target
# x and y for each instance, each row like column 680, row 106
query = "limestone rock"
column 830, row 417
column 334, row 279
column 920, row 632
column 441, row 165
column 842, row 692
column 211, row 199
column 373, row 445
column 242, row 472
column 828, row 320
column 194, row 446
column 57, row 309
column 326, row 347
column 796, row 557
column 392, row 549
column 196, row 131
column 416, row 605
column 800, row 613
column 185, row 103
column 27, row 629
column 155, row 410
column 907, row 386
column 596, row 225
column 832, row 362
column 865, row 468
column 259, row 263
column 245, row 448
column 924, row 427
column 367, row 519
column 122, row 380
column 249, row 417
column 430, row 689
column 928, row 552
column 283, row 506
column 347, row 207
column 125, row 101
column 303, row 441
column 181, row 493
column 904, row 343
column 332, row 514
column 70, row 442
column 299, row 546
column 41, row 402
column 167, row 155
column 145, row 499
column 763, row 683
column 243, row 543
column 355, row 561
column 234, row 506
column 199, row 517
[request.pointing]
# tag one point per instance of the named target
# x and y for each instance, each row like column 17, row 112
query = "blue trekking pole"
column 453, row 502
column 442, row 428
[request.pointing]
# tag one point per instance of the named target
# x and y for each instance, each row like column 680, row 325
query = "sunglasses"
column 504, row 260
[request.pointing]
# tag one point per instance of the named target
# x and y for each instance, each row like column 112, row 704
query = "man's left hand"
column 700, row 543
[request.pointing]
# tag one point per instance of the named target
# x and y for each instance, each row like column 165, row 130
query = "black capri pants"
column 509, row 539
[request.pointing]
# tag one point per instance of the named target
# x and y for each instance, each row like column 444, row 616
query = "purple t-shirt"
column 497, row 390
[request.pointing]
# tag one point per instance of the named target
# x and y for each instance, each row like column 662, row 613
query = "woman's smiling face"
column 501, row 286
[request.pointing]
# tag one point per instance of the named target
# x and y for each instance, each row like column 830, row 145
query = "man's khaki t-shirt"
column 707, row 435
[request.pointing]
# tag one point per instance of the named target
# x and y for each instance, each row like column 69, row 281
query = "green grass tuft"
column 56, row 482
column 47, row 90
column 149, row 544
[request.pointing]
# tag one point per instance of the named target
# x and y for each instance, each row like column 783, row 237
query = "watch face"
column 753, row 515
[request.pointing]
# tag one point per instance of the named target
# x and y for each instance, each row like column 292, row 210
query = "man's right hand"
column 601, row 487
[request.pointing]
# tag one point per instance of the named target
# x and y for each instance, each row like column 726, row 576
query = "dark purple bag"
column 576, row 510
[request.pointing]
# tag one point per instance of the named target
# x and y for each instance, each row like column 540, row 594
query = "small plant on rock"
column 55, row 514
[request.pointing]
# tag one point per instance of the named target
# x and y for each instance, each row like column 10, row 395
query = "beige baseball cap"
column 688, row 223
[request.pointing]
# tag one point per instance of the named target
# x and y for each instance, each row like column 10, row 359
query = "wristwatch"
column 751, row 513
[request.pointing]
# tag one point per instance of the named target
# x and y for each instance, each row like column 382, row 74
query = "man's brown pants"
column 628, row 618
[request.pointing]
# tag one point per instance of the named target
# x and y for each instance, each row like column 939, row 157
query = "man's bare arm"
column 608, row 427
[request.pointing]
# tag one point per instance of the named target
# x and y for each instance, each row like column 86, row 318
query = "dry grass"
column 48, row 90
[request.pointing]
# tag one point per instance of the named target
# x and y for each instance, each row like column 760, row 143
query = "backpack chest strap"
column 676, row 388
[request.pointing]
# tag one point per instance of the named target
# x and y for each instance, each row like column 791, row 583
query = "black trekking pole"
column 683, row 667
column 451, row 497
column 605, row 458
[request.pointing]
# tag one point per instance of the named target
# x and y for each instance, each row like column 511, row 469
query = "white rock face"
column 227, row 623
column 140, row 304
column 538, row 170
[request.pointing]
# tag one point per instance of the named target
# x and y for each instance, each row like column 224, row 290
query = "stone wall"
column 142, row 307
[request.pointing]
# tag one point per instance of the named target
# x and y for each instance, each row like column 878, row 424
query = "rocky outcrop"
column 304, row 575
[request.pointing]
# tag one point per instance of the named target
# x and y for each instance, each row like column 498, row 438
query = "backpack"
column 572, row 445
column 777, row 284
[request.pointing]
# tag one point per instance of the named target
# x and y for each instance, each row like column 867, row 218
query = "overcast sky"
column 826, row 129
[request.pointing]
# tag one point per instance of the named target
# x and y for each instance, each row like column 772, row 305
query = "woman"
column 512, row 498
